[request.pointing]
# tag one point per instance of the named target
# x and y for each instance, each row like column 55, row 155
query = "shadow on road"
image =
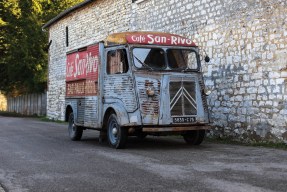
column 149, row 143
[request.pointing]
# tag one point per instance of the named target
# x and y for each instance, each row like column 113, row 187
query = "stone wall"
column 246, row 40
column 249, row 70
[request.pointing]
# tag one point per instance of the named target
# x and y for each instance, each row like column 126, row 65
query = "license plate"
column 183, row 119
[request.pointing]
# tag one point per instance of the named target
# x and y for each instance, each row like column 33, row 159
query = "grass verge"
column 14, row 114
column 46, row 119
column 41, row 118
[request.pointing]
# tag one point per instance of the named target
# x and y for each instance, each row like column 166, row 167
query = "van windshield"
column 165, row 58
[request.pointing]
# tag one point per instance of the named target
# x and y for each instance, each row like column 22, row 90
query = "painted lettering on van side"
column 83, row 64
column 82, row 72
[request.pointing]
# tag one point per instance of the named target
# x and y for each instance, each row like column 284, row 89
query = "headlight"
column 207, row 91
column 150, row 91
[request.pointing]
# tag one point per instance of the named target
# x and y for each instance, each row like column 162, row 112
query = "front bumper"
column 175, row 129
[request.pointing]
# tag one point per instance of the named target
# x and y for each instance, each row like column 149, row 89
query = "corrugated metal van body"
column 149, row 106
column 119, row 88
column 103, row 80
column 86, row 110
column 82, row 85
column 91, row 112
column 177, row 98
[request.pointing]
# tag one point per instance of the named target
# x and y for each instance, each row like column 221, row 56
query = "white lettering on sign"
column 79, row 63
column 154, row 39
column 92, row 64
column 82, row 66
column 139, row 39
column 70, row 69
column 159, row 39
column 180, row 41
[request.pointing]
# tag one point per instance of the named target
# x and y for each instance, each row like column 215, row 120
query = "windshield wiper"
column 144, row 64
column 188, row 69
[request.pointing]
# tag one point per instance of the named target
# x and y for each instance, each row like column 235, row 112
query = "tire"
column 117, row 135
column 75, row 132
column 194, row 137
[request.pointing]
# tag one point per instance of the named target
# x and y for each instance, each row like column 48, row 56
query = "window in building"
column 67, row 36
column 137, row 1
column 117, row 62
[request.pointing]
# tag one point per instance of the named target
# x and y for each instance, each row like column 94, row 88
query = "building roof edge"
column 66, row 12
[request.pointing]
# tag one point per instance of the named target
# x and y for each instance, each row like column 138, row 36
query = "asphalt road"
column 38, row 156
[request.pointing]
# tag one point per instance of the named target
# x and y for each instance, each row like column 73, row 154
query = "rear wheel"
column 194, row 137
column 75, row 132
column 117, row 135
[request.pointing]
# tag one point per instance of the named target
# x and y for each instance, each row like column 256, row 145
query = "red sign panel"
column 81, row 88
column 83, row 64
column 75, row 88
column 82, row 72
column 159, row 39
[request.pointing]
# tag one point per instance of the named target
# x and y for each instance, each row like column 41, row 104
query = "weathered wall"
column 3, row 102
column 87, row 25
column 246, row 40
column 30, row 104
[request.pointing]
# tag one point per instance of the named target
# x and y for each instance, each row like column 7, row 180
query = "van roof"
column 148, row 38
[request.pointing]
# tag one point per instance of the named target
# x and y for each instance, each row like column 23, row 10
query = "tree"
column 23, row 54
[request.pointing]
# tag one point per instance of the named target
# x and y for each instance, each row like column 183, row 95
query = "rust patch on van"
column 150, row 104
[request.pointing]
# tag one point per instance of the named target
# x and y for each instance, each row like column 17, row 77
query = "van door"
column 118, row 80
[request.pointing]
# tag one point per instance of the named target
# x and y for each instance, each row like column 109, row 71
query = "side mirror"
column 206, row 59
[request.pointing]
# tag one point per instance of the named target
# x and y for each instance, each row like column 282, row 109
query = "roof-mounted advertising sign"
column 159, row 39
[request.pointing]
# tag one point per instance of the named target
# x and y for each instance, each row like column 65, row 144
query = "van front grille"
column 182, row 98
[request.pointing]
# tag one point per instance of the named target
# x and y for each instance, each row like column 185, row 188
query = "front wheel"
column 117, row 135
column 75, row 132
column 194, row 137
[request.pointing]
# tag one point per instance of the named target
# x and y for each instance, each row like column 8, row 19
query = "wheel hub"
column 115, row 131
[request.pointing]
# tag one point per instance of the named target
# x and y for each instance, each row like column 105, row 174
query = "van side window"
column 117, row 62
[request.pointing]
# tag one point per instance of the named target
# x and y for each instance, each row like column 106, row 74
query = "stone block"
column 283, row 74
column 274, row 75
column 252, row 90
column 261, row 90
column 276, row 89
